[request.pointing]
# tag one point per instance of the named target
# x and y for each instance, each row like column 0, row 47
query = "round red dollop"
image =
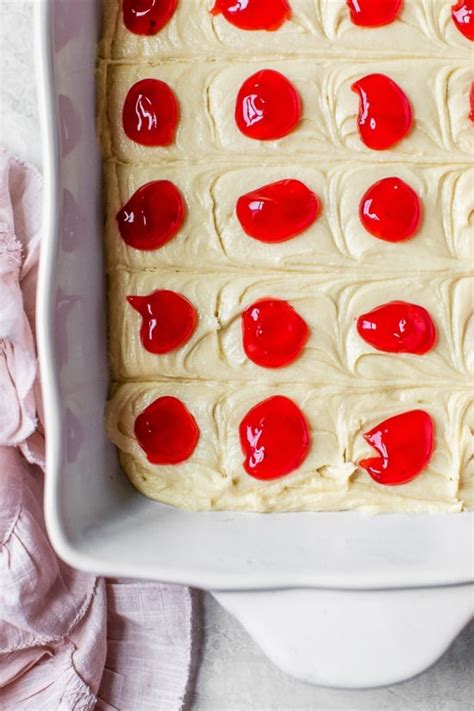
column 385, row 115
column 166, row 431
column 273, row 333
column 150, row 113
column 152, row 216
column 405, row 445
column 169, row 320
column 463, row 17
column 147, row 17
column 390, row 210
column 398, row 327
column 274, row 438
column 373, row 13
column 278, row 211
column 254, row 14
column 268, row 106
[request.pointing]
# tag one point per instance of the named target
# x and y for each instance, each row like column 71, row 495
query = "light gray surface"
column 19, row 130
column 234, row 675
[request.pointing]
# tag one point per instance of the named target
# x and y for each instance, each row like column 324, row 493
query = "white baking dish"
column 96, row 520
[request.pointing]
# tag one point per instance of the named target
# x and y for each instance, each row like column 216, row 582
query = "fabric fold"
column 63, row 634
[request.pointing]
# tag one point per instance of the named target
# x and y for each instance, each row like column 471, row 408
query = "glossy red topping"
column 150, row 113
column 463, row 17
column 254, row 14
column 471, row 102
column 166, row 431
column 274, row 437
column 273, row 333
column 390, row 210
column 385, row 115
column 278, row 211
column 398, row 327
column 152, row 216
column 373, row 13
column 405, row 445
column 147, row 17
column 169, row 320
column 268, row 106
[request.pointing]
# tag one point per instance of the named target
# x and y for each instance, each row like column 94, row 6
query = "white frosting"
column 329, row 479
column 334, row 353
column 423, row 28
column 331, row 274
column 206, row 92
column 336, row 240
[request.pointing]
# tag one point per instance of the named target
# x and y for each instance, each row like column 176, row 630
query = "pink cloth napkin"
column 67, row 640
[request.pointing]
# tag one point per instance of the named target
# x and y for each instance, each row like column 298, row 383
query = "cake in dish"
column 289, row 206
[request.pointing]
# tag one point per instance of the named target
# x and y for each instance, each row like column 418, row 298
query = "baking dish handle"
column 353, row 639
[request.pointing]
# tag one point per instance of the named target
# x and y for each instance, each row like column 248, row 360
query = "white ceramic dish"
column 96, row 520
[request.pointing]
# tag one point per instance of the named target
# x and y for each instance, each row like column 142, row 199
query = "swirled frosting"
column 334, row 353
column 329, row 478
column 330, row 274
column 336, row 240
column 424, row 28
column 328, row 128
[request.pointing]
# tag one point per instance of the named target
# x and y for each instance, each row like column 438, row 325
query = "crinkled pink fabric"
column 68, row 641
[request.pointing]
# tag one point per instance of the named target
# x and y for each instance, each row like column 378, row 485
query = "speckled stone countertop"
column 233, row 674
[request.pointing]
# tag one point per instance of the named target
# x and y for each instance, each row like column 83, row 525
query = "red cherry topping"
column 254, row 14
column 152, row 216
column 278, row 211
column 273, row 333
column 268, row 106
column 463, row 17
column 390, row 210
column 147, row 17
column 274, row 438
column 398, row 327
column 405, row 445
column 166, row 431
column 471, row 102
column 373, row 13
column 385, row 115
column 169, row 320
column 150, row 113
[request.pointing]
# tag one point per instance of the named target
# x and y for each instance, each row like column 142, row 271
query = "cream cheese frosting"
column 336, row 240
column 317, row 27
column 329, row 479
column 206, row 93
column 330, row 274
column 334, row 353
